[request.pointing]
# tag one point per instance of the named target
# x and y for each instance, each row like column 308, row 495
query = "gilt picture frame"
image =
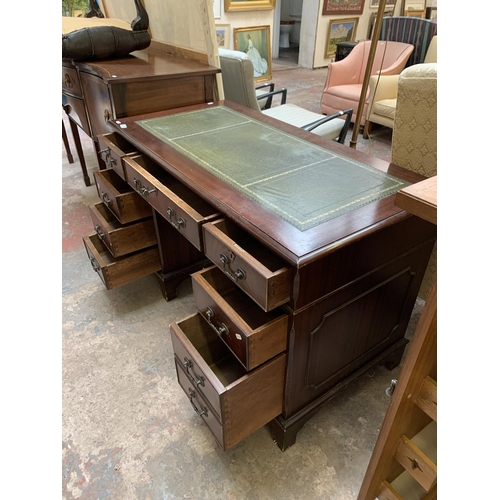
column 256, row 43
column 388, row 4
column 339, row 30
column 241, row 5
column 341, row 7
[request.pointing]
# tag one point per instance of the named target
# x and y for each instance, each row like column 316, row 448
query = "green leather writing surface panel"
column 300, row 182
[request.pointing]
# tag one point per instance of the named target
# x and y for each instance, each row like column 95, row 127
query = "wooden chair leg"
column 66, row 144
column 367, row 129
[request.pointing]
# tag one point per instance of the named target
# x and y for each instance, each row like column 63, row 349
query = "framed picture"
column 409, row 5
column 415, row 13
column 339, row 7
column 217, row 11
column 371, row 22
column 431, row 13
column 375, row 3
column 339, row 30
column 222, row 35
column 255, row 42
column 239, row 5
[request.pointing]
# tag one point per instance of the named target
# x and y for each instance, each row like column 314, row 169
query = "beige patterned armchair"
column 414, row 139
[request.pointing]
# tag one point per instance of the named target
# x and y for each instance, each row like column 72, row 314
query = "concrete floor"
column 129, row 432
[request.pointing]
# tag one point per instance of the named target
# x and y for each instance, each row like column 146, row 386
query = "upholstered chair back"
column 238, row 79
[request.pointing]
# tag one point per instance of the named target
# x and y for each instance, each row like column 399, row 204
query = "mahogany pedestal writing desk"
column 312, row 274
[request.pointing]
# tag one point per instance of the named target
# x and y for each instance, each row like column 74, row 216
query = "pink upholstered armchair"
column 345, row 78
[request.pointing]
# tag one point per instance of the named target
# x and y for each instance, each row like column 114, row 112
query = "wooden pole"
column 369, row 65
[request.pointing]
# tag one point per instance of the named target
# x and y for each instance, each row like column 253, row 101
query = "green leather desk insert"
column 299, row 181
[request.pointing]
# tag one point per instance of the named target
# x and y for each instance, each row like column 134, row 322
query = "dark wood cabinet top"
column 296, row 246
column 148, row 63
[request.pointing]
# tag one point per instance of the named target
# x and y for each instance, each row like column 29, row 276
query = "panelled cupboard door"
column 242, row 401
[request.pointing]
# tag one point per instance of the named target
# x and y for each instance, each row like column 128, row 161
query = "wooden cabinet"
column 285, row 317
column 95, row 92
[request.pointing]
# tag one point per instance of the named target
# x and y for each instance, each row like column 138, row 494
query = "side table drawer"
column 112, row 148
column 122, row 239
column 71, row 82
column 120, row 198
column 182, row 208
column 75, row 108
column 253, row 335
column 254, row 268
column 243, row 401
column 116, row 272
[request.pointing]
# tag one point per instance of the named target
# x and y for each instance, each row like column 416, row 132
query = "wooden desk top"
column 420, row 199
column 298, row 247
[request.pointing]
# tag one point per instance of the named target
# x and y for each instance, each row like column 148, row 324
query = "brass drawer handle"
column 95, row 266
column 198, row 380
column 106, row 156
column 219, row 331
column 67, row 81
column 203, row 410
column 171, row 218
column 105, row 198
column 239, row 274
column 107, row 115
column 99, row 232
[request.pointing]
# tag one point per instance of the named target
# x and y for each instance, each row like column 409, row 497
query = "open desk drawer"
column 253, row 335
column 120, row 198
column 254, row 268
column 241, row 401
column 112, row 148
column 122, row 239
column 185, row 210
column 115, row 272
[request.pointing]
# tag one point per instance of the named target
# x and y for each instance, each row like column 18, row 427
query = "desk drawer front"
column 182, row 208
column 200, row 406
column 253, row 335
column 115, row 272
column 116, row 194
column 255, row 269
column 122, row 239
column 244, row 401
column 112, row 148
column 71, row 82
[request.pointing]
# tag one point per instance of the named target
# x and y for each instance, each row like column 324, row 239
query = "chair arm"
column 269, row 95
column 343, row 133
column 383, row 87
column 343, row 72
column 265, row 85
